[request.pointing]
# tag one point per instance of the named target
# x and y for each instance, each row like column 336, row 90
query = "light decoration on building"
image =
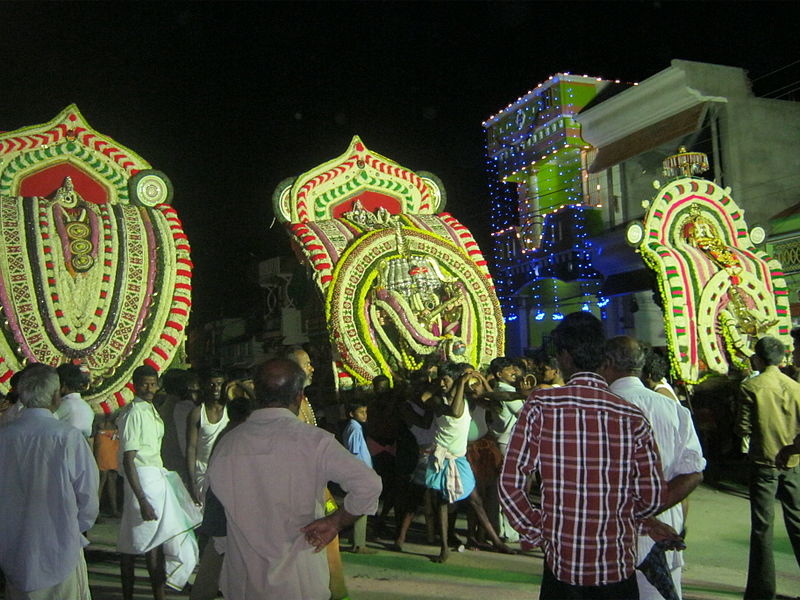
column 560, row 274
column 502, row 198
column 535, row 142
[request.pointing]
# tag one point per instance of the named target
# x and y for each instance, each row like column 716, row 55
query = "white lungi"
column 173, row 529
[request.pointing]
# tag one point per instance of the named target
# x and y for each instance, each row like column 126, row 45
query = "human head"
column 655, row 368
column 357, row 409
column 71, row 378
column 770, row 351
column 12, row 397
column 579, row 341
column 299, row 356
column 550, row 370
column 504, row 369
column 172, row 381
column 145, row 382
column 624, row 357
column 449, row 372
column 190, row 387
column 239, row 408
column 279, row 382
column 380, row 384
column 39, row 387
column 212, row 382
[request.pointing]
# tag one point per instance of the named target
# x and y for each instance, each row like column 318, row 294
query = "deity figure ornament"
column 400, row 280
column 700, row 232
column 719, row 292
column 94, row 264
column 417, row 310
column 740, row 324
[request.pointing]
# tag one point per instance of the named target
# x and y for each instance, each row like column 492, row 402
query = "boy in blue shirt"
column 354, row 441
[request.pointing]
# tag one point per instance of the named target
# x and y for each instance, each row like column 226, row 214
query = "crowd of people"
column 585, row 452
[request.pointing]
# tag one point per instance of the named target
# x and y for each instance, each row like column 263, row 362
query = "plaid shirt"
column 600, row 475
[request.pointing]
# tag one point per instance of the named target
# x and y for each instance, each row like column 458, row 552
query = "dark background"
column 228, row 99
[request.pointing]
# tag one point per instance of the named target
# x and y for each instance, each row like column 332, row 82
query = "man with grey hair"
column 681, row 454
column 270, row 474
column 769, row 412
column 48, row 468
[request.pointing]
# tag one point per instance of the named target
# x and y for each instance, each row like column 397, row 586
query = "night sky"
column 229, row 99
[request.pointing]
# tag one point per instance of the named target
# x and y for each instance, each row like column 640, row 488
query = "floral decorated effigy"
column 94, row 263
column 720, row 292
column 400, row 283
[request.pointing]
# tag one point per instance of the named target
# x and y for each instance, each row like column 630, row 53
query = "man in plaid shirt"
column 601, row 479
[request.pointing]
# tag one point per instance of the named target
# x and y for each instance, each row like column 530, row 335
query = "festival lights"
column 536, row 166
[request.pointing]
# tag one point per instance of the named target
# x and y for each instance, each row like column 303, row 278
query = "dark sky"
column 228, row 99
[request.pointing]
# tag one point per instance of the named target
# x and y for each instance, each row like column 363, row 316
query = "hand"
column 783, row 456
column 148, row 512
column 321, row 532
column 466, row 376
column 664, row 534
column 527, row 383
column 477, row 383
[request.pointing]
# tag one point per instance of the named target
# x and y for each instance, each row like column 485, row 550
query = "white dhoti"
column 75, row 587
column 173, row 529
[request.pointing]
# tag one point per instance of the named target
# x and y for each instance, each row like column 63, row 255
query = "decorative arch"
column 399, row 282
column 95, row 267
column 720, row 292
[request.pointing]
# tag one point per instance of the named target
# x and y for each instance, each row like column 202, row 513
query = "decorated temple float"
column 400, row 282
column 720, row 291
column 94, row 263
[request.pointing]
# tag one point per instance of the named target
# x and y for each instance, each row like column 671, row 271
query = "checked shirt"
column 600, row 476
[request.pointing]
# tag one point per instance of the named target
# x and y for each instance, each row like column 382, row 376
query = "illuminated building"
column 572, row 162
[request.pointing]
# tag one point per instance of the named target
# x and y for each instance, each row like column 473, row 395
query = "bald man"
column 276, row 516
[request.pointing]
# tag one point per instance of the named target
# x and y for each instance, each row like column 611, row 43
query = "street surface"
column 717, row 540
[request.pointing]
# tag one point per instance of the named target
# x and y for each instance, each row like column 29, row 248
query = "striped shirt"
column 600, row 475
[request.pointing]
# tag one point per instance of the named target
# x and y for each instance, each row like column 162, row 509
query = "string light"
column 536, row 165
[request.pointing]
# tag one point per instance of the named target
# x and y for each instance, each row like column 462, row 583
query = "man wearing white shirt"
column 270, row 474
column 158, row 516
column 506, row 374
column 681, row 455
column 74, row 409
column 47, row 468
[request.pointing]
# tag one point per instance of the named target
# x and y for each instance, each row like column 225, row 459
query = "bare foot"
column 364, row 550
column 503, row 549
column 443, row 556
column 398, row 546
column 475, row 544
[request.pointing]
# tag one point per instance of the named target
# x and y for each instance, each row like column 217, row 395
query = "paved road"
column 716, row 558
